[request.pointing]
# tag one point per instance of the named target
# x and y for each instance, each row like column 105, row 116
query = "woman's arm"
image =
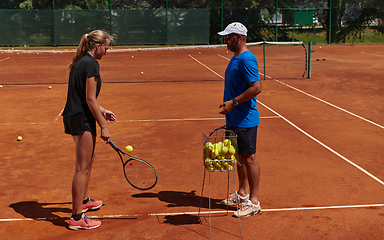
column 94, row 106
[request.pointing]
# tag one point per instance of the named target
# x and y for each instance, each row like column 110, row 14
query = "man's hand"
column 227, row 107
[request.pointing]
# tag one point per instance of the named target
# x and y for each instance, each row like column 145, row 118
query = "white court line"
column 143, row 120
column 330, row 104
column 373, row 54
column 206, row 66
column 182, row 119
column 325, row 146
column 62, row 110
column 5, row 59
column 201, row 213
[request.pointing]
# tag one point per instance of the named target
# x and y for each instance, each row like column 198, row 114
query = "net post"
column 264, row 57
column 309, row 59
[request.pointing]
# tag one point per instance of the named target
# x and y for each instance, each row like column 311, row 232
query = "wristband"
column 235, row 102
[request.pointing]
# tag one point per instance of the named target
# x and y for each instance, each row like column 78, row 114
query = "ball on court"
column 1, row 86
column 129, row 148
column 19, row 138
column 142, row 73
column 49, row 87
column 320, row 46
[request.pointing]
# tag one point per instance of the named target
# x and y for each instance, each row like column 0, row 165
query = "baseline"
column 324, row 145
column 196, row 213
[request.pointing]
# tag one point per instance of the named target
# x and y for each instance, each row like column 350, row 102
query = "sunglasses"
column 228, row 37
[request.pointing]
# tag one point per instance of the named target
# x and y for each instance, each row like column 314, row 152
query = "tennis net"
column 145, row 65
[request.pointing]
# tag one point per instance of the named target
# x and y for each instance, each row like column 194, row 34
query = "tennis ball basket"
column 220, row 150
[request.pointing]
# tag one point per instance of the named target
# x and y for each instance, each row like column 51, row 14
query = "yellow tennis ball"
column 19, row 138
column 129, row 148
column 142, row 73
column 1, row 86
column 320, row 46
column 49, row 87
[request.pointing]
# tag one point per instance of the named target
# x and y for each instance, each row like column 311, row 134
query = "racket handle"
column 113, row 144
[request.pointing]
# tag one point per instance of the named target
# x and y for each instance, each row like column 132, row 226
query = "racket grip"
column 113, row 144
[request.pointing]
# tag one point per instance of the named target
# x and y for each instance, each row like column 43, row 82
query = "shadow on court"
column 42, row 211
column 183, row 199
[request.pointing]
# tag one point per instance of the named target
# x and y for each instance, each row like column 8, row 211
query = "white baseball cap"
column 234, row 27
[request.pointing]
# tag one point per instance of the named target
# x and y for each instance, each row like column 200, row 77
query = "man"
column 242, row 84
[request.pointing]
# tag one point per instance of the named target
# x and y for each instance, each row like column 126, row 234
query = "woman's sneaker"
column 248, row 209
column 92, row 205
column 234, row 200
column 83, row 223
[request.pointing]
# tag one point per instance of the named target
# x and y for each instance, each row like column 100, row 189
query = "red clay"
column 297, row 172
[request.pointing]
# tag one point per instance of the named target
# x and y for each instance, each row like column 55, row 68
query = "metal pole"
column 277, row 5
column 264, row 58
column 222, row 20
column 166, row 19
column 110, row 17
column 309, row 58
column 53, row 9
column 330, row 21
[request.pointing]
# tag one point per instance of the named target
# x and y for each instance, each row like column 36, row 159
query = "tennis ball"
column 49, row 87
column 132, row 56
column 129, row 148
column 199, row 52
column 142, row 73
column 19, row 138
column 320, row 46
column 1, row 86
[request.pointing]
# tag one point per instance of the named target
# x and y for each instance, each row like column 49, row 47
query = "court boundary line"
column 5, row 59
column 330, row 104
column 205, row 66
column 324, row 145
column 142, row 120
column 205, row 212
column 373, row 54
column 321, row 100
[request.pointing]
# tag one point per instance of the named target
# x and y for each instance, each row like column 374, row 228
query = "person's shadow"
column 184, row 199
column 42, row 211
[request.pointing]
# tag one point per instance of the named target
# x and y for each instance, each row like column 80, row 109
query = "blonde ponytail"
column 88, row 42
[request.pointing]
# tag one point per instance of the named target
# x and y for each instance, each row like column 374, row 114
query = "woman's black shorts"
column 79, row 123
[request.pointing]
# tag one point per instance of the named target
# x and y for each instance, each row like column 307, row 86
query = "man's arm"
column 251, row 92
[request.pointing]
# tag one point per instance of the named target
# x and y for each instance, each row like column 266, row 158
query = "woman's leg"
column 85, row 147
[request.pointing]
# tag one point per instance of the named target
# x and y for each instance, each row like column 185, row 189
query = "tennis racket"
column 222, row 127
column 139, row 173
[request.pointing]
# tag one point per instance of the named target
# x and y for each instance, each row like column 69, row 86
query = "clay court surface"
column 320, row 149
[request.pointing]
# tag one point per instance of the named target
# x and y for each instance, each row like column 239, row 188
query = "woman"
column 80, row 115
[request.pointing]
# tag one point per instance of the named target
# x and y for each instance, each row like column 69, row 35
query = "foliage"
column 349, row 17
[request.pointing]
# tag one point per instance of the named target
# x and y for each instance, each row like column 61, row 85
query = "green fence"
column 136, row 26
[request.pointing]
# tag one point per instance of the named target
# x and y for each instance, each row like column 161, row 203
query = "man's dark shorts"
column 246, row 139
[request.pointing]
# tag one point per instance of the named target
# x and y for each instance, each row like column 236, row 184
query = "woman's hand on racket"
column 109, row 116
column 105, row 135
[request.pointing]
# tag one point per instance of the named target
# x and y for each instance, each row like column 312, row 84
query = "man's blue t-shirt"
column 241, row 71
